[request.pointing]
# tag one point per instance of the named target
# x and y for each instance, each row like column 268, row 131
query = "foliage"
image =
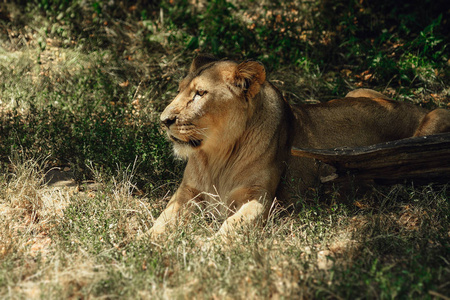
column 76, row 122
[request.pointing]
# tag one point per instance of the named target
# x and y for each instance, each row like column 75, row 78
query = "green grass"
column 82, row 87
column 398, row 248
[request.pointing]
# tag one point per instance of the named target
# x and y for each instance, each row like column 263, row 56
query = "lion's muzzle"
column 181, row 133
column 167, row 121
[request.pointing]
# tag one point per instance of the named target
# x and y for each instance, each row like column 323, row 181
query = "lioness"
column 236, row 131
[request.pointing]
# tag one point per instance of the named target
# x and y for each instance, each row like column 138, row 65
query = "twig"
column 439, row 295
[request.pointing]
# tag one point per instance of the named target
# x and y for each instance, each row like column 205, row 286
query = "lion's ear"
column 200, row 61
column 250, row 75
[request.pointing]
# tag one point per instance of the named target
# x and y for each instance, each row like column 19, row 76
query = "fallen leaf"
column 124, row 84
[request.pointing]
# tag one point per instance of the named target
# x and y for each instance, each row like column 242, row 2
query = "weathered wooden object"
column 422, row 159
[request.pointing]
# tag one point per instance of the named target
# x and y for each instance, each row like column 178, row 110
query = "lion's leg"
column 179, row 206
column 249, row 213
column 167, row 218
column 436, row 121
column 251, row 207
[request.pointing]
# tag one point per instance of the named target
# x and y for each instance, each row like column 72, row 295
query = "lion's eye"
column 201, row 93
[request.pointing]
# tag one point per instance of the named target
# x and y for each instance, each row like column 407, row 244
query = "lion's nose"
column 168, row 121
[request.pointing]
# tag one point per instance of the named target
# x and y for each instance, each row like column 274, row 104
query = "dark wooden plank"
column 424, row 158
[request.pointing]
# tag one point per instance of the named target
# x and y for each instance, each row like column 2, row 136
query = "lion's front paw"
column 153, row 234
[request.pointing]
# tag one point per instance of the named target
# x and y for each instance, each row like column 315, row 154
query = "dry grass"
column 69, row 242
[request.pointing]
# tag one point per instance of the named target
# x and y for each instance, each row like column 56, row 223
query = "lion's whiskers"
column 199, row 131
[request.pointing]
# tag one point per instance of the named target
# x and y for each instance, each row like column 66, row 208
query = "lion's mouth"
column 192, row 143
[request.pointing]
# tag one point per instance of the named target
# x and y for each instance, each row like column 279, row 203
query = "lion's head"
column 214, row 102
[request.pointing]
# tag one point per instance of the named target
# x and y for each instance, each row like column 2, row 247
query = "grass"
column 83, row 83
column 78, row 243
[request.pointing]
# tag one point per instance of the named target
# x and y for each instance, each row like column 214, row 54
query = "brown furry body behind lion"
column 348, row 122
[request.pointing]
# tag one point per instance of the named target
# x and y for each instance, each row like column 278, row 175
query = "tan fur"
column 366, row 93
column 236, row 130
